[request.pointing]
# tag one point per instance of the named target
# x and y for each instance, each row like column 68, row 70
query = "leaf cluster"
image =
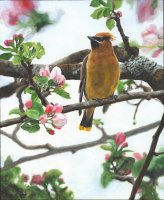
column 52, row 188
column 104, row 9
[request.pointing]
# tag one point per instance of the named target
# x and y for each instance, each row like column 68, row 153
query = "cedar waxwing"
column 100, row 74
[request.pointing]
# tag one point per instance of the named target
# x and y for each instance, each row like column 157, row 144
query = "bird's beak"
column 94, row 42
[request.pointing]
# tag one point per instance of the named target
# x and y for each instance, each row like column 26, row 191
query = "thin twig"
column 72, row 148
column 158, row 153
column 124, row 178
column 94, row 103
column 148, row 159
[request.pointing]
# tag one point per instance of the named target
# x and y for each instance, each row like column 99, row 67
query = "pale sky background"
column 81, row 170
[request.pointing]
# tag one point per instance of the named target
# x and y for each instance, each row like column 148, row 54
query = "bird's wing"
column 83, row 80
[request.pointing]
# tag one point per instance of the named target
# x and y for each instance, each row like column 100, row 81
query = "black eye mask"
column 101, row 38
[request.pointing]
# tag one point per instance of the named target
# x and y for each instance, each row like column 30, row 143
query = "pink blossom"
column 120, row 138
column 25, row 177
column 49, row 108
column 43, row 119
column 144, row 10
column 124, row 145
column 15, row 36
column 57, row 108
column 59, row 120
column 119, row 13
column 24, row 5
column 12, row 17
column 137, row 156
column 28, row 104
column 60, row 80
column 107, row 157
column 37, row 179
column 45, row 71
column 55, row 72
column 156, row 53
column 8, row 42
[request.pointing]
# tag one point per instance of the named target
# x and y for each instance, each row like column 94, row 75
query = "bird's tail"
column 86, row 122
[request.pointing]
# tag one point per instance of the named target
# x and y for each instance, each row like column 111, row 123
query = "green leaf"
column 36, row 111
column 16, row 111
column 106, row 147
column 16, row 60
column 125, row 163
column 5, row 49
column 107, row 12
column 110, row 23
column 34, row 192
column 60, row 91
column 106, row 178
column 137, row 167
column 52, row 174
column 29, row 90
column 8, row 161
column 5, row 56
column 95, row 3
column 31, row 126
column 120, row 87
column 98, row 13
column 98, row 122
column 117, row 4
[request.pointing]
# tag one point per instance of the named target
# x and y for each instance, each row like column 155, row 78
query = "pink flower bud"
column 120, row 138
column 51, row 132
column 156, row 53
column 60, row 80
column 8, row 42
column 119, row 13
column 57, row 108
column 28, row 104
column 59, row 120
column 37, row 179
column 49, row 108
column 124, row 145
column 137, row 156
column 107, row 157
column 45, row 71
column 55, row 71
column 61, row 180
column 25, row 177
column 43, row 119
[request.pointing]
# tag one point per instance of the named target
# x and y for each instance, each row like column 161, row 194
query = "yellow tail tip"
column 83, row 128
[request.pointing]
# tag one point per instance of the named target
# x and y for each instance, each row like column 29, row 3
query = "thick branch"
column 95, row 103
column 74, row 148
column 148, row 159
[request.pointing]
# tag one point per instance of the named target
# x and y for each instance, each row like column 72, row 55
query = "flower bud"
column 37, row 179
column 49, row 108
column 107, row 157
column 59, row 120
column 28, row 104
column 43, row 119
column 57, row 108
column 8, row 42
column 137, row 156
column 124, row 145
column 119, row 13
column 60, row 80
column 51, row 132
column 45, row 71
column 25, row 177
column 120, row 138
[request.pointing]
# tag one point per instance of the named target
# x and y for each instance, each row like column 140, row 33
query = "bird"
column 99, row 76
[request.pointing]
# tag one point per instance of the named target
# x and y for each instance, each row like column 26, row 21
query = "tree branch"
column 74, row 148
column 95, row 103
column 148, row 159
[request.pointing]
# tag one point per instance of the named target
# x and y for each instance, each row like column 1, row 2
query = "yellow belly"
column 102, row 77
